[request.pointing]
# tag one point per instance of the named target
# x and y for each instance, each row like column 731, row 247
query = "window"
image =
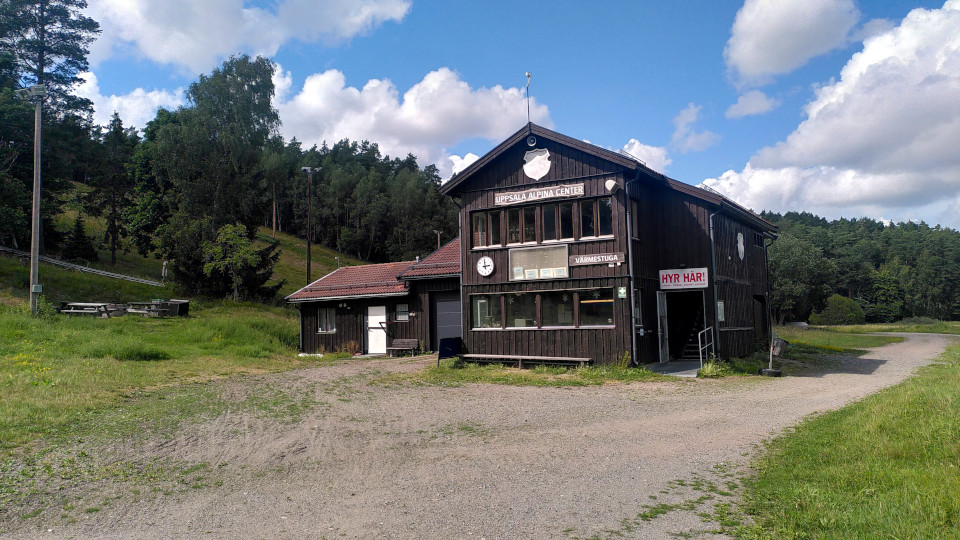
column 546, row 262
column 566, row 221
column 586, row 308
column 587, row 223
column 486, row 228
column 605, row 216
column 529, row 224
column 596, row 217
column 557, row 308
column 758, row 239
column 549, row 213
column 521, row 310
column 403, row 312
column 326, row 320
column 513, row 226
column 596, row 307
column 485, row 311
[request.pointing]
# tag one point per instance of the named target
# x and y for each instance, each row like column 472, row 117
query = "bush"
column 839, row 310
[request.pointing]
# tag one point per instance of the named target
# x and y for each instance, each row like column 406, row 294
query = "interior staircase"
column 691, row 349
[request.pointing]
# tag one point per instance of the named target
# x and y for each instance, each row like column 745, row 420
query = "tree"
column 839, row 310
column 210, row 153
column 800, row 278
column 50, row 42
column 112, row 182
column 231, row 253
column 78, row 246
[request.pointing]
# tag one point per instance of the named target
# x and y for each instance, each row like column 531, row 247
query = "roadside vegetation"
column 920, row 325
column 456, row 373
column 885, row 467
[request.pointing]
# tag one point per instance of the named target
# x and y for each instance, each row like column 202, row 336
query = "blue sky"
column 831, row 106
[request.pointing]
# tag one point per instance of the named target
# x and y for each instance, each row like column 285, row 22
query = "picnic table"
column 95, row 309
column 149, row 309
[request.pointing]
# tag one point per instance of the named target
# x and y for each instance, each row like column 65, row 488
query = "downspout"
column 630, row 272
column 463, row 332
column 766, row 269
column 713, row 275
column 300, row 318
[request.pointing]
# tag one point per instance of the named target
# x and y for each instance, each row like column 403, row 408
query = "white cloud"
column 196, row 35
column 881, row 140
column 135, row 108
column 654, row 157
column 770, row 37
column 433, row 115
column 461, row 163
column 685, row 138
column 750, row 103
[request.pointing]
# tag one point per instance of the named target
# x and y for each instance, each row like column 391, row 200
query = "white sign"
column 684, row 278
column 536, row 163
column 539, row 194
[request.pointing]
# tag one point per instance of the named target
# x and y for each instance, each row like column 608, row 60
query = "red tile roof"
column 356, row 281
column 442, row 262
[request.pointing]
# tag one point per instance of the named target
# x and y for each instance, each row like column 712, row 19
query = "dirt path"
column 479, row 461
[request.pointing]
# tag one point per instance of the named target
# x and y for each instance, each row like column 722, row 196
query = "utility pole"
column 309, row 171
column 35, row 93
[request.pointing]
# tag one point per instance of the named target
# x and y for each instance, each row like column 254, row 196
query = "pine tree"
column 50, row 41
column 78, row 246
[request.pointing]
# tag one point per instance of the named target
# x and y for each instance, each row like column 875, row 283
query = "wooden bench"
column 403, row 345
column 551, row 360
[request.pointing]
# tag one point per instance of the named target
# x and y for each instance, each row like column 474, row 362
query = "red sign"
column 684, row 278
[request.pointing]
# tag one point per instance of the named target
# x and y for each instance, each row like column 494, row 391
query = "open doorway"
column 680, row 317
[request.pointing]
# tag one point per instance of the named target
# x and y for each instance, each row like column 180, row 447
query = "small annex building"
column 573, row 250
column 567, row 250
column 367, row 308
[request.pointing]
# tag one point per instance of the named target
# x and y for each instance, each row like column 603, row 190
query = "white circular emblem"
column 740, row 245
column 485, row 266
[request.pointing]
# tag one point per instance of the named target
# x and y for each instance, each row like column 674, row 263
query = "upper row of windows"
column 543, row 223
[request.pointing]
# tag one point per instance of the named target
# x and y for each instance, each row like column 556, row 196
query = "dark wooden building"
column 370, row 307
column 572, row 250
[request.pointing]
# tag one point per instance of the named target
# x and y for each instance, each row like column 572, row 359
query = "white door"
column 663, row 326
column 376, row 332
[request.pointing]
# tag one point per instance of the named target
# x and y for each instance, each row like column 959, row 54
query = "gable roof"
column 444, row 262
column 539, row 131
column 368, row 280
column 711, row 197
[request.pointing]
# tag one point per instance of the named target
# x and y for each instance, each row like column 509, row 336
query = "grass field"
column 921, row 326
column 292, row 265
column 819, row 340
column 885, row 467
column 55, row 368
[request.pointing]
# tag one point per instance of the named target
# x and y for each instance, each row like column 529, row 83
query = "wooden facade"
column 656, row 223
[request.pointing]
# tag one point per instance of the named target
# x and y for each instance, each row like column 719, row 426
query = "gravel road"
column 479, row 461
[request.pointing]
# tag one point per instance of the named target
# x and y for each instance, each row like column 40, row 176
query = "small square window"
column 403, row 312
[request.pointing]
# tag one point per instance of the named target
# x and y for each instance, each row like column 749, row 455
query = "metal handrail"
column 704, row 341
column 87, row 269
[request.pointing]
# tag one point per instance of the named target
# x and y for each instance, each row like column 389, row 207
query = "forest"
column 195, row 184
column 880, row 272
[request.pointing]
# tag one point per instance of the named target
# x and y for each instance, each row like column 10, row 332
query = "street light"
column 35, row 93
column 309, row 171
column 438, row 239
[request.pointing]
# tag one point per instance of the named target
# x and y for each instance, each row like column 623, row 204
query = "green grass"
column 817, row 340
column 292, row 265
column 919, row 327
column 61, row 284
column 453, row 373
column 55, row 368
column 885, row 467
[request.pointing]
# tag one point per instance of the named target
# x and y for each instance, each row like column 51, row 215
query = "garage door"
column 445, row 317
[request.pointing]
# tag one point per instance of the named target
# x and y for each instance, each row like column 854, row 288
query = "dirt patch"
column 324, row 453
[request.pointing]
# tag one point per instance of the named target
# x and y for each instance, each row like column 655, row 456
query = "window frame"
column 402, row 315
column 328, row 315
column 501, row 297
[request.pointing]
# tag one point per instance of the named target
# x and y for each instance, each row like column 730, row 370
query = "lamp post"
column 35, row 93
column 438, row 239
column 309, row 171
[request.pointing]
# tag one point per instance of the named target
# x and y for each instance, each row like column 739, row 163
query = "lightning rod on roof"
column 528, row 97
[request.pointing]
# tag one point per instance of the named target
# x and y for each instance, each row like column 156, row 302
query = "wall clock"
column 485, row 266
